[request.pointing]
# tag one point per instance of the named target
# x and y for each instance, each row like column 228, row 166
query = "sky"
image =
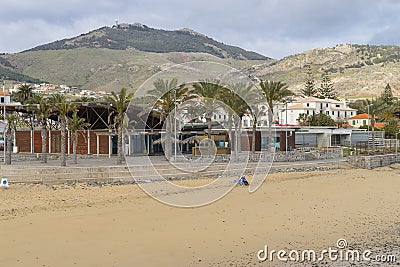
column 274, row 28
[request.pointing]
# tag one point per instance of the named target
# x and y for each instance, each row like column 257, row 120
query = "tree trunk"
column 44, row 143
column 119, row 142
column 9, row 135
column 253, row 140
column 168, row 138
column 74, row 145
column 230, row 140
column 210, row 148
column 239, row 135
column 63, row 122
column 271, row 147
column 209, row 121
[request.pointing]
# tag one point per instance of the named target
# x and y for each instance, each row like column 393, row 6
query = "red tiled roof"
column 360, row 116
column 379, row 125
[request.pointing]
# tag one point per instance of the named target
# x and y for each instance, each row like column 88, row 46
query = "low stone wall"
column 280, row 156
column 371, row 162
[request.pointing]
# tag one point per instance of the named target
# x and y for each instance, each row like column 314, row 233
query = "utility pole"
column 175, row 124
column 4, row 119
column 368, row 122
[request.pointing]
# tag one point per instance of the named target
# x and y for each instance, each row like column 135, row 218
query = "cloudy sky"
column 275, row 28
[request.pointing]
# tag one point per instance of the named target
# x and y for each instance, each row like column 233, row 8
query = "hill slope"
column 106, row 69
column 121, row 56
column 9, row 72
column 356, row 70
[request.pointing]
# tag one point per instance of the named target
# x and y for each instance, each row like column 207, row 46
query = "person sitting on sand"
column 243, row 181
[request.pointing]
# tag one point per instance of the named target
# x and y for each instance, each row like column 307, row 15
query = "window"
column 2, row 99
column 338, row 106
column 308, row 112
column 308, row 104
column 345, row 114
column 220, row 116
column 215, row 116
column 338, row 114
column 354, row 122
column 327, row 105
column 327, row 112
column 321, row 105
column 224, row 117
column 364, row 122
column 351, row 113
column 333, row 112
column 335, row 140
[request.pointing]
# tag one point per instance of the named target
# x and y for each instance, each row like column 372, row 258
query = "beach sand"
column 110, row 225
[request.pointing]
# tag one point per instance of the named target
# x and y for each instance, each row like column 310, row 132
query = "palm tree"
column 63, row 108
column 166, row 95
column 13, row 120
column 120, row 103
column 237, row 99
column 273, row 91
column 43, row 111
column 24, row 93
column 209, row 92
column 252, row 100
column 75, row 123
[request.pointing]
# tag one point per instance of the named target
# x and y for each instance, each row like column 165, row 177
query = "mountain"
column 356, row 70
column 121, row 56
column 143, row 38
column 125, row 55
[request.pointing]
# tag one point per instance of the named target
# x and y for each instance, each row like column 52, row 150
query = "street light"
column 370, row 105
column 287, row 100
column 4, row 118
column 175, row 124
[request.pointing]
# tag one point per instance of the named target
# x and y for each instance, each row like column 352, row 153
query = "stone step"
column 50, row 174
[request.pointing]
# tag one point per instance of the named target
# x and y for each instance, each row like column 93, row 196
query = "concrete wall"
column 371, row 162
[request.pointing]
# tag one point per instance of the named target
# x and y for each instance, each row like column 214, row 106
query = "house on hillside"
column 360, row 120
column 337, row 110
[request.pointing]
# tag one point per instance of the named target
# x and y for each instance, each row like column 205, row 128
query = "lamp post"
column 175, row 124
column 4, row 119
column 287, row 100
column 286, row 146
column 368, row 122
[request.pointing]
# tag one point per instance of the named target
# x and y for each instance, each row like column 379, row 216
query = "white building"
column 5, row 99
column 337, row 110
column 359, row 120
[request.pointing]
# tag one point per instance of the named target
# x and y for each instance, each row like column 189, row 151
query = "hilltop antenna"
column 116, row 22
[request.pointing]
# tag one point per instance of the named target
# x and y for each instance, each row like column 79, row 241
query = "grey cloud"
column 272, row 27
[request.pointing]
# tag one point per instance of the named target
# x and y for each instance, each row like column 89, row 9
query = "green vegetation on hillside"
column 15, row 76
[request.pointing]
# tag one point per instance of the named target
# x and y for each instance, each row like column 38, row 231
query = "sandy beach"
column 86, row 225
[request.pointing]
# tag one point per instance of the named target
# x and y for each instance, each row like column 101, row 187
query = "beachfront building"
column 337, row 110
column 98, row 139
column 331, row 136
